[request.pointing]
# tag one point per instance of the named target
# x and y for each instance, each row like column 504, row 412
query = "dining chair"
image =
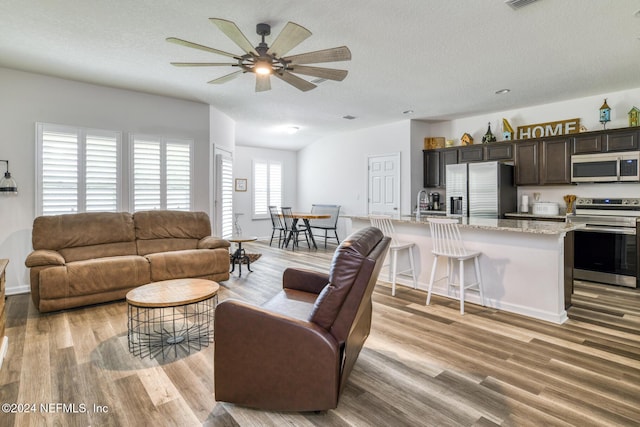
column 292, row 232
column 448, row 243
column 326, row 224
column 383, row 222
column 276, row 224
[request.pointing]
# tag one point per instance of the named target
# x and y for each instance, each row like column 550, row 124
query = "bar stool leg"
column 394, row 267
column 413, row 269
column 461, row 286
column 433, row 275
column 476, row 263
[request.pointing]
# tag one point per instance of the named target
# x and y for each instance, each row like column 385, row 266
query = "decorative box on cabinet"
column 4, row 341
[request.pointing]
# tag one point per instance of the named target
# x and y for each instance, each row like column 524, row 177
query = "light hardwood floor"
column 421, row 366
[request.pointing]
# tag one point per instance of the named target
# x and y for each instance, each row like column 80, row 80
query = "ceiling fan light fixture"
column 263, row 67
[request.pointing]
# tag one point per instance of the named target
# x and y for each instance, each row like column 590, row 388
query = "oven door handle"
column 612, row 230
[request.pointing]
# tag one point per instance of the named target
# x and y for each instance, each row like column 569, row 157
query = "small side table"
column 171, row 315
column 239, row 255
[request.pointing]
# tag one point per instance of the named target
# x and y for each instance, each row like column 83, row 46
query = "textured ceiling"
column 440, row 58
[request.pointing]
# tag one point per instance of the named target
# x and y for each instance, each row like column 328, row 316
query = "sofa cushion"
column 153, row 246
column 344, row 269
column 94, row 276
column 56, row 232
column 171, row 224
column 188, row 263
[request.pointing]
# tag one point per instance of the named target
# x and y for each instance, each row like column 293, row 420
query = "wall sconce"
column 8, row 185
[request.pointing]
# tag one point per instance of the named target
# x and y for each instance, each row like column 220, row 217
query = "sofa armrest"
column 304, row 280
column 43, row 257
column 256, row 351
column 211, row 242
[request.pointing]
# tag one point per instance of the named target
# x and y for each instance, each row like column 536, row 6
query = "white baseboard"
column 16, row 290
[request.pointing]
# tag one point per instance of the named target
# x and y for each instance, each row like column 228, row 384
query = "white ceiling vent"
column 517, row 4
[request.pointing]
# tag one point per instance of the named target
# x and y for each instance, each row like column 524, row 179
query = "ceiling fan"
column 265, row 61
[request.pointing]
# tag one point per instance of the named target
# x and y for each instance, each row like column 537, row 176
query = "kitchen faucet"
column 419, row 199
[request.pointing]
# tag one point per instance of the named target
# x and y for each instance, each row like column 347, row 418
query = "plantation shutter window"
column 161, row 173
column 267, row 187
column 77, row 170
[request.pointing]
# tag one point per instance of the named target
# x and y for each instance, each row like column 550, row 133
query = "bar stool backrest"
column 446, row 237
column 383, row 222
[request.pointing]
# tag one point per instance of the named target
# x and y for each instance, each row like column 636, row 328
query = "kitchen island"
column 526, row 266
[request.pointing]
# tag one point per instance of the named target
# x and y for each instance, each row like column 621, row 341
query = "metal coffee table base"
column 165, row 331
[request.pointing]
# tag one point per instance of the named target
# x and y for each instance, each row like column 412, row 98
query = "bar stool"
column 448, row 243
column 386, row 226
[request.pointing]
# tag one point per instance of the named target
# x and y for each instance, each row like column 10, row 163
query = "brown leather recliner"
column 296, row 351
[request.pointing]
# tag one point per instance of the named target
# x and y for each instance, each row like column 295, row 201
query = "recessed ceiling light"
column 349, row 117
column 637, row 14
column 407, row 112
column 502, row 91
column 292, row 129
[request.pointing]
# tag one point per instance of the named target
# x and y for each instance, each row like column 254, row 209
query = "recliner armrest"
column 211, row 242
column 304, row 280
column 42, row 257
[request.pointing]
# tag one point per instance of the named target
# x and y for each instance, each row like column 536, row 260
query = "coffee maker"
column 434, row 201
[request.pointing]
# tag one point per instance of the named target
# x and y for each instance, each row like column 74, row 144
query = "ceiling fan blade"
column 323, row 73
column 233, row 32
column 290, row 36
column 201, row 47
column 226, row 78
column 203, row 64
column 335, row 54
column 263, row 82
column 296, row 81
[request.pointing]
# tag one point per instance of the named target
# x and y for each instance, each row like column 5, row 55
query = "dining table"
column 305, row 217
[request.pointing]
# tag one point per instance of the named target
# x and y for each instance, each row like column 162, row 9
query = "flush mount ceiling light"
column 265, row 61
column 292, row 129
column 8, row 185
column 502, row 91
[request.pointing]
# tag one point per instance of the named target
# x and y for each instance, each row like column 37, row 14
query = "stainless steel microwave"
column 606, row 167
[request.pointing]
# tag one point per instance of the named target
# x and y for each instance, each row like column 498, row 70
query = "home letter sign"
column 542, row 130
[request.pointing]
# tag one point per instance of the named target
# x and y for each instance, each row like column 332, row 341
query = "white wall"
column 242, row 168
column 29, row 98
column 334, row 169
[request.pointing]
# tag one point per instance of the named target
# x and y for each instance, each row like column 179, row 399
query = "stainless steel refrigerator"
column 484, row 189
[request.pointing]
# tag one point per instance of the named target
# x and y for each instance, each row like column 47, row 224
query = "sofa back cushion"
column 350, row 268
column 85, row 235
column 163, row 231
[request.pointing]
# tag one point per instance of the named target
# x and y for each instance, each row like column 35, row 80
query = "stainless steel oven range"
column 606, row 248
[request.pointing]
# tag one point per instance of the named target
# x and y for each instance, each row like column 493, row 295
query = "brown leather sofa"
column 295, row 352
column 89, row 258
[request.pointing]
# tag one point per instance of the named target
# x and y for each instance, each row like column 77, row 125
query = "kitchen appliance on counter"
column 606, row 167
column 434, row 200
column 428, row 204
column 545, row 208
column 484, row 189
column 606, row 248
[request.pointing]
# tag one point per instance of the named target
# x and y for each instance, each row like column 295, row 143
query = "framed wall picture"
column 241, row 184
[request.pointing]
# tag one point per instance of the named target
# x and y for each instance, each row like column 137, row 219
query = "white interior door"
column 384, row 185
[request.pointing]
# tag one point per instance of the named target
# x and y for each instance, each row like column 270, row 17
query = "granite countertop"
column 514, row 225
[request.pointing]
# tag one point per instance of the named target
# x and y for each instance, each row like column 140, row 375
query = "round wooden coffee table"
column 172, row 315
